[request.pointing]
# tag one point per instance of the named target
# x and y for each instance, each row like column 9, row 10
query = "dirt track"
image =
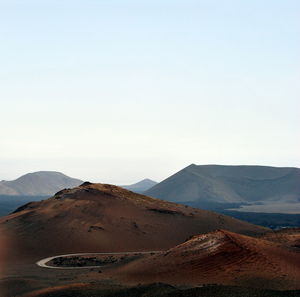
column 43, row 262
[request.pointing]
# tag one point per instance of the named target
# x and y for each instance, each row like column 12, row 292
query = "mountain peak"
column 229, row 184
column 147, row 180
column 141, row 186
column 190, row 166
column 39, row 183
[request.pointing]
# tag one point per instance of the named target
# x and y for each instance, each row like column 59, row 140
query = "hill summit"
column 41, row 183
column 141, row 186
column 101, row 217
column 230, row 184
column 220, row 257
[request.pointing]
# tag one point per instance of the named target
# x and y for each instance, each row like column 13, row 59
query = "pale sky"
column 119, row 90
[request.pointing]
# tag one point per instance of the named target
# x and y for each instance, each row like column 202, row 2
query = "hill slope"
column 220, row 257
column 230, row 184
column 106, row 218
column 42, row 183
column 141, row 186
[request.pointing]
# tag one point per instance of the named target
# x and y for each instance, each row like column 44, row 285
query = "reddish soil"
column 289, row 237
column 220, row 257
column 106, row 218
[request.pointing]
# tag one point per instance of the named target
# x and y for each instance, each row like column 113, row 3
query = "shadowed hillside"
column 211, row 185
column 159, row 290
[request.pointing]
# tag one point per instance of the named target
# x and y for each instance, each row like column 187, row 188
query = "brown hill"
column 289, row 237
column 159, row 290
column 99, row 217
column 220, row 257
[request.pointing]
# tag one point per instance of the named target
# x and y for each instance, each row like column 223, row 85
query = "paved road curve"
column 43, row 262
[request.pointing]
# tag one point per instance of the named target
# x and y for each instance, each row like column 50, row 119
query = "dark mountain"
column 42, row 183
column 9, row 203
column 215, row 184
column 141, row 186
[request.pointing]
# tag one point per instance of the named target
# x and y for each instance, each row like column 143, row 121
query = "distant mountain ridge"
column 230, row 184
column 141, row 186
column 41, row 183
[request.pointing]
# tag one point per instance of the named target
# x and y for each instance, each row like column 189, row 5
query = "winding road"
column 43, row 262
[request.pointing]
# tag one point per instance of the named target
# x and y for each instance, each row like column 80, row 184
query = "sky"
column 120, row 90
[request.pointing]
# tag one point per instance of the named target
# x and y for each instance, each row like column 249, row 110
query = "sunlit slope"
column 220, row 257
